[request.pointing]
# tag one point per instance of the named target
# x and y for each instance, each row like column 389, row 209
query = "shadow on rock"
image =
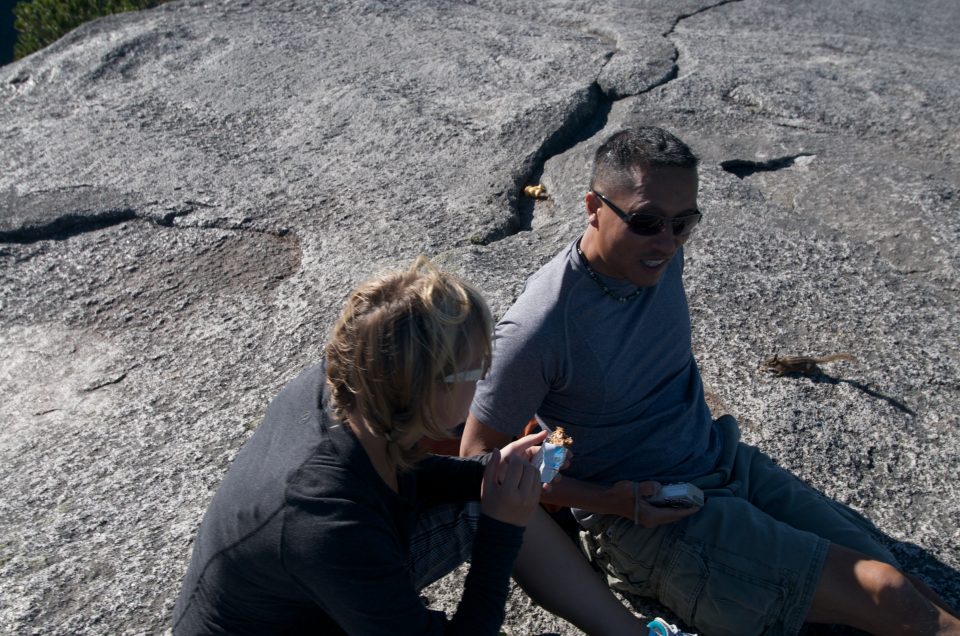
column 823, row 378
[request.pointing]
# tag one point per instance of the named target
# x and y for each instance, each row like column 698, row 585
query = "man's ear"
column 592, row 204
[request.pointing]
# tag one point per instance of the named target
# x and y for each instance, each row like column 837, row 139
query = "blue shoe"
column 660, row 627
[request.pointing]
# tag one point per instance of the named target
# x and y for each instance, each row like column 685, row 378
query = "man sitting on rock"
column 599, row 342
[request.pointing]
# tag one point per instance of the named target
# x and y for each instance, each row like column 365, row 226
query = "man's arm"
column 478, row 438
column 622, row 498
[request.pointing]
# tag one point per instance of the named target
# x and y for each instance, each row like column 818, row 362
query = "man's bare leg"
column 875, row 597
column 931, row 595
column 553, row 572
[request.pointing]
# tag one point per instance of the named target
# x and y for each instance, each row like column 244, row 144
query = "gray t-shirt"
column 620, row 377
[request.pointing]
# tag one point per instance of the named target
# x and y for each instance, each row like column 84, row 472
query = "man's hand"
column 632, row 504
column 510, row 490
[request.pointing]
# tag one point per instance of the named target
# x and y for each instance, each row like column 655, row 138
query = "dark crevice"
column 582, row 124
column 667, row 78
column 742, row 168
column 106, row 382
column 683, row 17
column 68, row 226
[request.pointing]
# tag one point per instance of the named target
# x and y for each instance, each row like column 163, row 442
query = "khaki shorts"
column 749, row 561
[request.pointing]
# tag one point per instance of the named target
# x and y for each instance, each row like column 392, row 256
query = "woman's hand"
column 510, row 490
column 525, row 447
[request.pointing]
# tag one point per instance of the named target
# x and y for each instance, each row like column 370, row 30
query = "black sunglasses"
column 650, row 224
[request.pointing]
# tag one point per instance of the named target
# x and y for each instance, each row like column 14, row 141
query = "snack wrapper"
column 552, row 454
column 548, row 461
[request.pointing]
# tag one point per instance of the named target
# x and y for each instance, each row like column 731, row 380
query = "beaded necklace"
column 606, row 290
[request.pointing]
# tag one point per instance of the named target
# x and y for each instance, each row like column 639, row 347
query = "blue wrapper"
column 548, row 461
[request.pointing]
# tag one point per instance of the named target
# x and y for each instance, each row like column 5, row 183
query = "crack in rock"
column 68, row 225
column 67, row 211
column 100, row 383
column 684, row 16
column 675, row 73
column 583, row 122
column 742, row 168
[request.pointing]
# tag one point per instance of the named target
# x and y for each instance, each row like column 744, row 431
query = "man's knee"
column 887, row 585
column 883, row 582
column 868, row 594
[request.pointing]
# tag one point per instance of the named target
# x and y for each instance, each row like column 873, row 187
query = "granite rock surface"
column 187, row 194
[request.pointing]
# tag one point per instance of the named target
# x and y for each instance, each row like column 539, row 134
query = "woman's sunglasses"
column 473, row 375
column 650, row 224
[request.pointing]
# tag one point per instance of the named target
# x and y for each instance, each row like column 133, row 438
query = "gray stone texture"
column 188, row 193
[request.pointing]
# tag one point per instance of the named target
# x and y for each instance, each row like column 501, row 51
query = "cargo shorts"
column 749, row 561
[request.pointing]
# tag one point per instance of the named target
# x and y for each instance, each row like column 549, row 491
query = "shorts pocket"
column 719, row 597
column 627, row 554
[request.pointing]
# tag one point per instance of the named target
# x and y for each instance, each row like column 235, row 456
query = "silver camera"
column 677, row 496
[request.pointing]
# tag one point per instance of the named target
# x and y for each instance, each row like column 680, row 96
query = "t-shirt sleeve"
column 525, row 365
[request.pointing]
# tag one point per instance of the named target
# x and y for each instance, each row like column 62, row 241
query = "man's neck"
column 588, row 246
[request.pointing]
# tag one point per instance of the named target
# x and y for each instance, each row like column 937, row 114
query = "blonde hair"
column 399, row 335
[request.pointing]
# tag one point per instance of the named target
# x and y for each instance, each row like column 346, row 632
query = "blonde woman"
column 330, row 519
